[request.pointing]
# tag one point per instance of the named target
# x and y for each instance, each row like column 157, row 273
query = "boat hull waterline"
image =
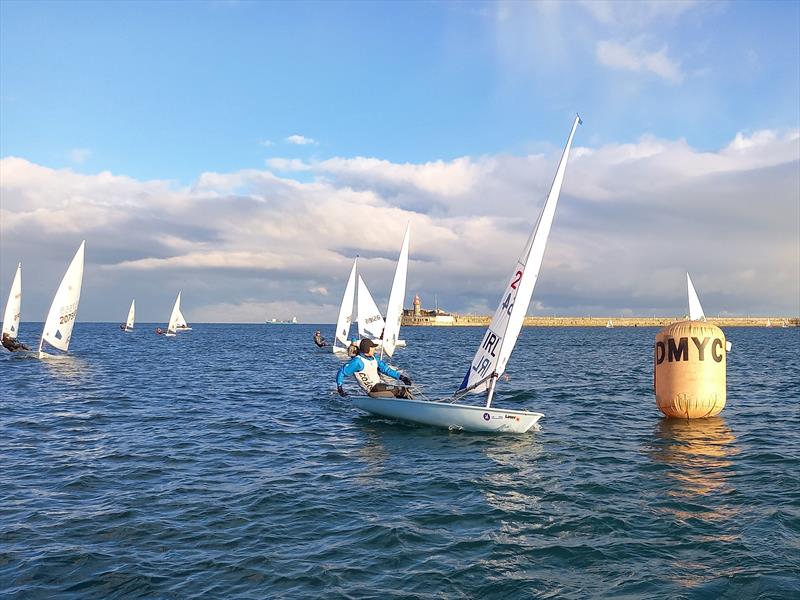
column 450, row 416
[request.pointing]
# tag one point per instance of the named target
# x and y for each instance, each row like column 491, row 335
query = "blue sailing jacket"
column 357, row 364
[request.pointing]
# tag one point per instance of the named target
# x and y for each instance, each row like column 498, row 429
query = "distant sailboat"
column 394, row 310
column 609, row 325
column 61, row 317
column 172, row 327
column 128, row 326
column 769, row 324
column 181, row 324
column 495, row 348
column 341, row 340
column 695, row 310
column 13, row 307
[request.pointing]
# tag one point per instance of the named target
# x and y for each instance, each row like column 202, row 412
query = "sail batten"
column 13, row 306
column 394, row 310
column 498, row 342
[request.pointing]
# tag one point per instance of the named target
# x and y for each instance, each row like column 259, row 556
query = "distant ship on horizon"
column 275, row 321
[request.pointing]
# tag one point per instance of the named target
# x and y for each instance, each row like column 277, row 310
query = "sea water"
column 221, row 464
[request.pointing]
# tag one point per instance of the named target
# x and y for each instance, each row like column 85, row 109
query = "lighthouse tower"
column 417, row 311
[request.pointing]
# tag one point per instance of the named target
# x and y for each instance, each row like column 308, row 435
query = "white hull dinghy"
column 394, row 309
column 495, row 349
column 60, row 320
column 13, row 307
column 173, row 319
column 341, row 340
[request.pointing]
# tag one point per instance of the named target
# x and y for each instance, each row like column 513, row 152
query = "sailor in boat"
column 366, row 368
column 319, row 340
column 13, row 344
column 160, row 331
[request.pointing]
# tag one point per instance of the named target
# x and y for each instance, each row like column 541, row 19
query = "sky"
column 245, row 152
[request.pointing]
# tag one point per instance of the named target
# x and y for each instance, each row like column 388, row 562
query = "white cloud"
column 300, row 140
column 636, row 13
column 78, row 156
column 633, row 218
column 633, row 57
column 266, row 143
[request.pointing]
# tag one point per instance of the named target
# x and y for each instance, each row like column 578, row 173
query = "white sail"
column 346, row 310
column 394, row 311
column 182, row 324
column 370, row 320
column 131, row 315
column 695, row 310
column 495, row 349
column 173, row 318
column 13, row 306
column 61, row 318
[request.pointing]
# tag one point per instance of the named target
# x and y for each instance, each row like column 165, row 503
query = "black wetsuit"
column 13, row 344
column 319, row 340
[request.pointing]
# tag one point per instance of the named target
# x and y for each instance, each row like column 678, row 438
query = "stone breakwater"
column 483, row 321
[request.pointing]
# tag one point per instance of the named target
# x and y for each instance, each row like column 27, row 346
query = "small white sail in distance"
column 695, row 310
column 492, row 355
column 394, row 311
column 346, row 310
column 61, row 317
column 131, row 315
column 370, row 320
column 172, row 327
column 13, row 306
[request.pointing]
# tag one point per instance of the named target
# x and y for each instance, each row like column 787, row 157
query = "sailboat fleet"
column 453, row 411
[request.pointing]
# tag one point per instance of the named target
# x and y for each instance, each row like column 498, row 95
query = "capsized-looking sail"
column 695, row 310
column 346, row 309
column 501, row 336
column 13, row 306
column 394, row 311
column 370, row 320
column 61, row 318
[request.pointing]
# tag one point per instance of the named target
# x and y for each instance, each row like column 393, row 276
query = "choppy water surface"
column 221, row 464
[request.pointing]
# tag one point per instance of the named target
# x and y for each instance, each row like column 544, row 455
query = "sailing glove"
column 341, row 391
column 405, row 379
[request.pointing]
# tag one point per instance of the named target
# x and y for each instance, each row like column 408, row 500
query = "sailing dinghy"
column 128, row 326
column 368, row 316
column 60, row 319
column 13, row 307
column 394, row 310
column 172, row 327
column 495, row 349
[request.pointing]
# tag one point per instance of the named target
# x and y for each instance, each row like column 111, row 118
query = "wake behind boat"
column 492, row 355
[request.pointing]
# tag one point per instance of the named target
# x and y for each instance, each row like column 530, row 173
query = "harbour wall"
column 484, row 320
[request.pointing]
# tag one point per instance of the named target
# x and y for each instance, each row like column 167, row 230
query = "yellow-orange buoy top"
column 690, row 370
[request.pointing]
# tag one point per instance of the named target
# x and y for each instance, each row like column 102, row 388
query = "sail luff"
column 369, row 318
column 695, row 310
column 346, row 309
column 63, row 311
column 172, row 327
column 13, row 306
column 394, row 310
column 501, row 336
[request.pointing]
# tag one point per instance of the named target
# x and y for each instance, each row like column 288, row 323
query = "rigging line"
column 459, row 393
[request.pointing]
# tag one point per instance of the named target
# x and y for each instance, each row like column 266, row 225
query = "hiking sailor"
column 366, row 368
column 319, row 340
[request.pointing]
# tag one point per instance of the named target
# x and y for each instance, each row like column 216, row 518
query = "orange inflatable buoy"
column 689, row 370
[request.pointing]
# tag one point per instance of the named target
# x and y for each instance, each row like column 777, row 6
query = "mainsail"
column 131, row 315
column 495, row 349
column 346, row 309
column 13, row 306
column 61, row 318
column 695, row 310
column 173, row 318
column 181, row 323
column 370, row 320
column 394, row 311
